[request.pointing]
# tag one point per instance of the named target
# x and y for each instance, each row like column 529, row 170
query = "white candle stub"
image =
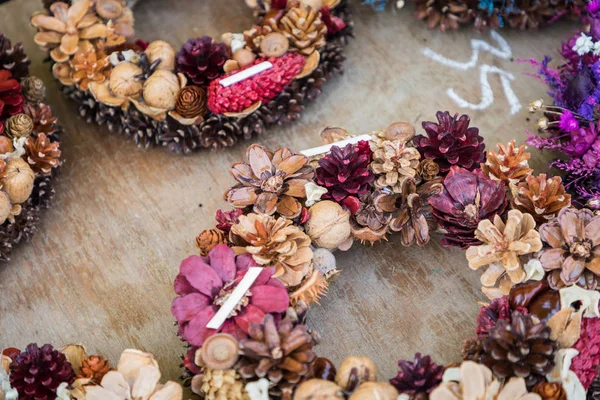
column 234, row 298
column 315, row 151
column 245, row 74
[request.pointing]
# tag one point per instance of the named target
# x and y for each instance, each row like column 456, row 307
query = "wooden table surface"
column 100, row 270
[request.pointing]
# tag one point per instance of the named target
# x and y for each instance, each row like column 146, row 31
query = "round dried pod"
column 402, row 131
column 124, row 80
column 274, row 44
column 6, row 145
column 164, row 51
column 19, row 125
column 161, row 90
column 375, row 390
column 355, row 370
column 329, row 224
column 220, row 351
column 428, row 169
column 5, row 206
column 244, row 57
column 191, row 102
column 18, row 180
column 324, row 261
column 34, row 90
column 318, row 389
column 109, row 9
column 333, row 134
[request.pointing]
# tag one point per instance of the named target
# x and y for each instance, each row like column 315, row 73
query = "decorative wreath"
column 242, row 303
column 29, row 148
column 486, row 14
column 207, row 94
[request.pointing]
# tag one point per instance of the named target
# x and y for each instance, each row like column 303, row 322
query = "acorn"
column 18, row 180
column 161, row 90
column 164, row 51
column 355, row 370
column 124, row 80
column 220, row 351
column 328, row 225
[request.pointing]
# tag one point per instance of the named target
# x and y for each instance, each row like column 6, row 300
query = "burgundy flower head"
column 418, row 376
column 451, row 142
column 345, row 172
column 489, row 315
column 11, row 98
column 587, row 362
column 205, row 283
column 225, row 219
column 202, row 59
column 468, row 197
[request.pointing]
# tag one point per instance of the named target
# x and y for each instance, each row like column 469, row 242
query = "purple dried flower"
column 567, row 122
column 593, row 6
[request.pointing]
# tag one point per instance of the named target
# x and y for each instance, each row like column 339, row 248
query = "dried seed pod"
column 159, row 49
column 402, row 131
column 161, row 90
column 375, row 390
column 124, row 81
column 355, row 370
column 318, row 389
column 274, row 44
column 220, row 351
column 18, row 180
column 244, row 57
column 329, row 224
column 109, row 9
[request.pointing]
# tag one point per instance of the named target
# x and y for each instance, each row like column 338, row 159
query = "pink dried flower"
column 567, row 121
column 586, row 364
column 225, row 219
column 593, row 6
column 205, row 283
column 334, row 24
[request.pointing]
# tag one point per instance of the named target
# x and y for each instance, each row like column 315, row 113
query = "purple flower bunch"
column 570, row 125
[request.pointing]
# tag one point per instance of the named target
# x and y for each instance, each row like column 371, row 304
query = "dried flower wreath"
column 207, row 94
column 242, row 303
column 29, row 148
column 570, row 124
column 486, row 14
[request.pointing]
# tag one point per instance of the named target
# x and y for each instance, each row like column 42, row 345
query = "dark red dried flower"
column 418, row 376
column 263, row 87
column 468, row 197
column 334, row 24
column 586, row 363
column 490, row 314
column 451, row 142
column 11, row 98
column 227, row 218
column 202, row 60
column 37, row 372
column 345, row 172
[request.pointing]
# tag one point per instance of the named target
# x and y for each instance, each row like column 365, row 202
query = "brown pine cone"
column 42, row 154
column 208, row 239
column 218, row 132
column 304, row 29
column 43, row 121
column 472, row 349
column 34, row 90
column 18, row 126
column 550, row 391
column 191, row 102
column 541, row 197
column 13, row 58
column 94, row 368
column 509, row 164
column 281, row 352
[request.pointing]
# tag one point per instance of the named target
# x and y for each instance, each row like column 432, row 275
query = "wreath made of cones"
column 30, row 152
column 209, row 94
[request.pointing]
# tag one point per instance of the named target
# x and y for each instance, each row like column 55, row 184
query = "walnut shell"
column 161, row 90
column 164, row 51
column 124, row 80
column 18, row 180
column 361, row 368
column 5, row 206
column 318, row 389
column 375, row 390
column 329, row 224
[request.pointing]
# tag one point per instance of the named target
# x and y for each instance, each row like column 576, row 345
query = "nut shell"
column 361, row 369
column 5, row 206
column 220, row 351
column 6, row 145
column 161, row 90
column 375, row 391
column 124, row 81
column 329, row 224
column 274, row 44
column 402, row 131
column 164, row 51
column 244, row 57
column 318, row 389
column 18, row 180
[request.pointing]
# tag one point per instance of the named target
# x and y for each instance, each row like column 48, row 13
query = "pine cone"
column 342, row 11
column 509, row 164
column 472, row 349
column 541, row 197
column 594, row 390
column 94, row 368
column 42, row 154
column 451, row 142
column 393, row 163
column 520, row 348
column 280, row 352
column 208, row 239
column 550, row 391
column 13, row 58
column 88, row 64
column 26, row 223
column 419, row 376
column 93, row 111
column 191, row 102
column 490, row 314
column 444, row 13
column 303, row 27
column 43, row 121
column 283, row 109
column 202, row 60
column 468, row 197
column 37, row 372
column 370, row 224
column 19, row 126
column 11, row 98
column 218, row 132
column 144, row 130
column 43, row 192
column 34, row 90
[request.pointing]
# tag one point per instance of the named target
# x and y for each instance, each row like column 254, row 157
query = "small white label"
column 245, row 74
column 315, row 151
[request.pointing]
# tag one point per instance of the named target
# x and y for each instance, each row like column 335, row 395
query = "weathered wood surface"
column 100, row 270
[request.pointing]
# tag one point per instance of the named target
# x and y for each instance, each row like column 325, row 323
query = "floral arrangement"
column 46, row 373
column 570, row 125
column 29, row 148
column 487, row 14
column 208, row 94
column 242, row 303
